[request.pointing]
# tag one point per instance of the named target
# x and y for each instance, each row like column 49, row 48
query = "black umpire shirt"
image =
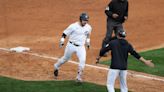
column 119, row 7
column 119, row 51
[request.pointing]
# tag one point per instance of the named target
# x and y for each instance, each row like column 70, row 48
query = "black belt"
column 74, row 43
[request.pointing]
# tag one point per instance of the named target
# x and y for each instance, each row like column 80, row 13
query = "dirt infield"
column 38, row 24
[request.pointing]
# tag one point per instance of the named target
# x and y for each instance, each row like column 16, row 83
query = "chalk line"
column 88, row 65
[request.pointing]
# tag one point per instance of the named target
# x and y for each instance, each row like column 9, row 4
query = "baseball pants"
column 112, row 75
column 69, row 50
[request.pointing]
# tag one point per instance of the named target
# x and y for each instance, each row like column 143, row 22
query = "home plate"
column 19, row 49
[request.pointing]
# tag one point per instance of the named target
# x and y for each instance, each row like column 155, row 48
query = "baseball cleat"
column 79, row 80
column 56, row 72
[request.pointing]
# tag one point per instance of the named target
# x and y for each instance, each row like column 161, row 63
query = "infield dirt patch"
column 38, row 24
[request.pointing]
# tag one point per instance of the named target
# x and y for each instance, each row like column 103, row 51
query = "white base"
column 19, row 49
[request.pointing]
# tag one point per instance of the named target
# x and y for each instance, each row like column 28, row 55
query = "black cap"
column 84, row 16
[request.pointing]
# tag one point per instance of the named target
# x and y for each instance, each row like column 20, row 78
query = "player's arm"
column 108, row 10
column 142, row 59
column 102, row 52
column 66, row 33
column 146, row 62
column 88, row 41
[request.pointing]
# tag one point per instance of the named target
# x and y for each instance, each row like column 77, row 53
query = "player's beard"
column 82, row 24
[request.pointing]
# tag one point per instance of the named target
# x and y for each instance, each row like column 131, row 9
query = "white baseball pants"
column 112, row 75
column 69, row 50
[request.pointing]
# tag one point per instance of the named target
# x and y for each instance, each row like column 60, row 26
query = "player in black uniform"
column 120, row 48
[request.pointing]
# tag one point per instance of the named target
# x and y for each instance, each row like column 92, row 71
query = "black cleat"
column 56, row 73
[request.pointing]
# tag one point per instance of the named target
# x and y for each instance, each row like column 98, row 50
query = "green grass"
column 13, row 85
column 158, row 59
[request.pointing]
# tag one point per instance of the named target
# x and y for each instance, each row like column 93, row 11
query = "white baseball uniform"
column 77, row 37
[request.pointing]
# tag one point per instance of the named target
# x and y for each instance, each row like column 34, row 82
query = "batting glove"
column 88, row 43
column 61, row 43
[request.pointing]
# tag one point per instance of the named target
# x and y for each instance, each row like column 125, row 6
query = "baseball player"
column 79, row 34
column 119, row 51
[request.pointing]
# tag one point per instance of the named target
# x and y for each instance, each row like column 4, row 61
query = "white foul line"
column 88, row 65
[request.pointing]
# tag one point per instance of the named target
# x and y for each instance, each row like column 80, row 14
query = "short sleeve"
column 69, row 29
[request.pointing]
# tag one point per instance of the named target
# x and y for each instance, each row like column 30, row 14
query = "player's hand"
column 61, row 43
column 125, row 17
column 88, row 46
column 107, row 8
column 149, row 63
column 115, row 15
column 97, row 60
column 88, row 43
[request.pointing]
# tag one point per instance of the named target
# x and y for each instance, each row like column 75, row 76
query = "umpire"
column 119, row 51
column 117, row 13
